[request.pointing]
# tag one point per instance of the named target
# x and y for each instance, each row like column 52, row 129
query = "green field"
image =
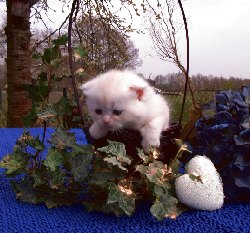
column 174, row 101
column 175, row 104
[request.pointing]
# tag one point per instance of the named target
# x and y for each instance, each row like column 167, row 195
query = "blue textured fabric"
column 23, row 217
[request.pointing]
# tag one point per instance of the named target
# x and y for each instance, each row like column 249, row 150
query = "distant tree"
column 107, row 47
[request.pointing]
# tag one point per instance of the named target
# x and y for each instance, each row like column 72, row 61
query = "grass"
column 175, row 104
column 174, row 101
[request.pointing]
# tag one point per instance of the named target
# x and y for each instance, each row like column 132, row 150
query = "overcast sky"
column 219, row 33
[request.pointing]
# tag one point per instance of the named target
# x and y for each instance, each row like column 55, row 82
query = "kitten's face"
column 114, row 100
column 112, row 114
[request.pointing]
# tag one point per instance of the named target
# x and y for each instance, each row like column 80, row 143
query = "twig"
column 187, row 68
column 52, row 33
column 74, row 9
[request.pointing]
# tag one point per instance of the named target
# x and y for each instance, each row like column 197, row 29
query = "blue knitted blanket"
column 23, row 217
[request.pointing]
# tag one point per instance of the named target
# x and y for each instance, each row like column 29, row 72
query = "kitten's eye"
column 98, row 111
column 117, row 112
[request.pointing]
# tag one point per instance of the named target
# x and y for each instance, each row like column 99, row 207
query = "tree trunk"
column 18, row 61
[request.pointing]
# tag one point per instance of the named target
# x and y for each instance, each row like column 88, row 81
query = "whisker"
column 128, row 135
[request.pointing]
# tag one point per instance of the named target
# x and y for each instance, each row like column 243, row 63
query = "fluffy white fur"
column 122, row 99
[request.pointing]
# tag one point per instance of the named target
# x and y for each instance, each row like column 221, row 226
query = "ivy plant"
column 102, row 178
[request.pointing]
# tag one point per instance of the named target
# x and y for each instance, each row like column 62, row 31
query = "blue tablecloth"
column 23, row 217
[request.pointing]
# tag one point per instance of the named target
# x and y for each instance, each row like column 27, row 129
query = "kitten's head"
column 113, row 100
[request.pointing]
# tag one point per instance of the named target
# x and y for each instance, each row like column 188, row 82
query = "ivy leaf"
column 144, row 157
column 25, row 192
column 47, row 114
column 16, row 162
column 154, row 171
column 63, row 107
column 51, row 54
column 12, row 166
column 19, row 155
column 102, row 178
column 27, row 140
column 53, row 159
column 80, row 160
column 31, row 118
column 36, row 143
column 62, row 139
column 125, row 199
column 113, row 160
column 57, row 178
column 112, row 208
column 165, row 207
column 37, row 93
column 118, row 150
column 61, row 40
column 38, row 177
column 103, row 173
column 114, row 148
column 55, row 78
column 43, row 79
column 195, row 178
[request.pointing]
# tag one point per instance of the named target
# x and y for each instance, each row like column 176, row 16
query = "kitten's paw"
column 97, row 131
column 146, row 143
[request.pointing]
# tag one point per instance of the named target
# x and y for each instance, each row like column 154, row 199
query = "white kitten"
column 121, row 99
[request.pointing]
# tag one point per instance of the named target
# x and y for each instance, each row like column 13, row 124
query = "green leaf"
column 57, row 179
column 158, row 190
column 37, row 93
column 102, row 178
column 80, row 160
column 144, row 157
column 112, row 208
column 126, row 201
column 175, row 165
column 51, row 54
column 61, row 40
column 55, row 78
column 62, row 139
column 195, row 178
column 113, row 160
column 158, row 210
column 19, row 155
column 12, row 166
column 31, row 118
column 27, row 140
column 36, row 143
column 53, row 159
column 63, row 107
column 47, row 114
column 166, row 206
column 25, row 191
column 38, row 177
column 154, row 171
column 43, row 79
column 16, row 162
column 118, row 150
column 80, row 51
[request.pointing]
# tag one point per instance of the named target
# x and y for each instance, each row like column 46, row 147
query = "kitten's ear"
column 139, row 91
column 86, row 87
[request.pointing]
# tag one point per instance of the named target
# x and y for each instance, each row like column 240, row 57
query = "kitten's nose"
column 106, row 120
